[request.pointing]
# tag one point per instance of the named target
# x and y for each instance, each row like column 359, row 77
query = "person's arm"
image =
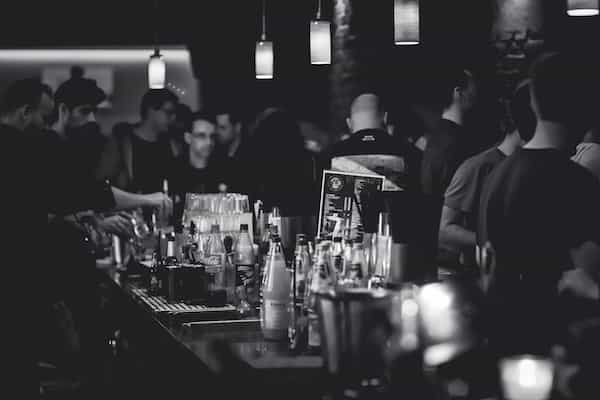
column 127, row 201
column 459, row 201
column 453, row 236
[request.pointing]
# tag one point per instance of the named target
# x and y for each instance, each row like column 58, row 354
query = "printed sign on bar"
column 340, row 206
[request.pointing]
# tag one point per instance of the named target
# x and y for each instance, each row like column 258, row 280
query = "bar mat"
column 159, row 304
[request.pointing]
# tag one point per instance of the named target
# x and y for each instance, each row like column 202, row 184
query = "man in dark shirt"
column 197, row 171
column 371, row 149
column 450, row 144
column 38, row 187
column 138, row 157
column 539, row 212
column 461, row 203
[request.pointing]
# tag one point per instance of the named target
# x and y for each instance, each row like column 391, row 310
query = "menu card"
column 341, row 205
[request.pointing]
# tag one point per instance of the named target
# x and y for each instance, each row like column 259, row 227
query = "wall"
column 129, row 74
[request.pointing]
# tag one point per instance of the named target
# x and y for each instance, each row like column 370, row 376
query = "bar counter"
column 163, row 349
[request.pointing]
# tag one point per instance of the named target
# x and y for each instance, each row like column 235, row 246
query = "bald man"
column 370, row 149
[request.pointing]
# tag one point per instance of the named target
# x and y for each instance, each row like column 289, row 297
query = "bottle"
column 153, row 276
column 216, row 263
column 274, row 316
column 320, row 281
column 245, row 272
column 355, row 276
column 337, row 256
column 171, row 259
column 302, row 267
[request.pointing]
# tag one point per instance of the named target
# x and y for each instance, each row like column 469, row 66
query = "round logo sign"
column 336, row 184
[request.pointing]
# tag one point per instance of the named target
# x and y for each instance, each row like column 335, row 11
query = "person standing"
column 139, row 156
column 458, row 223
column 539, row 216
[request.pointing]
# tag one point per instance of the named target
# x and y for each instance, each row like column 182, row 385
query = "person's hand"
column 580, row 283
column 160, row 201
column 117, row 225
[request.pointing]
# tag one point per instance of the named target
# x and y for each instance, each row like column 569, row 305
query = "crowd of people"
column 523, row 217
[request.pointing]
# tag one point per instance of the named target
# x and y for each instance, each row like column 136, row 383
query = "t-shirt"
column 465, row 188
column 588, row 156
column 373, row 151
column 535, row 206
column 446, row 149
column 151, row 164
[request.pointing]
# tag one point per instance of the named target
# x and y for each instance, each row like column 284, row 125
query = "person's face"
column 226, row 130
column 39, row 117
column 164, row 116
column 81, row 115
column 202, row 138
column 469, row 95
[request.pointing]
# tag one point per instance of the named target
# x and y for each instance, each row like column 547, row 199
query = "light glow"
column 406, row 22
column 582, row 8
column 526, row 378
column 320, row 42
column 157, row 72
column 264, row 60
column 90, row 55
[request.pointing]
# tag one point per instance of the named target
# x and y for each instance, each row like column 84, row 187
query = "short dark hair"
column 24, row 92
column 203, row 116
column 521, row 113
column 78, row 91
column 155, row 99
column 564, row 87
column 234, row 115
column 184, row 115
column 452, row 78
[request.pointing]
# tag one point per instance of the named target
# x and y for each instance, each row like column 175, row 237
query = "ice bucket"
column 355, row 329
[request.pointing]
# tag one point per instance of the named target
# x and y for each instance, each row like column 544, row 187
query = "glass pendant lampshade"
column 320, row 42
column 157, row 71
column 582, row 8
column 264, row 60
column 406, row 22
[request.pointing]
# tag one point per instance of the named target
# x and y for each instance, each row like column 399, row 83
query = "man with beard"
column 80, row 139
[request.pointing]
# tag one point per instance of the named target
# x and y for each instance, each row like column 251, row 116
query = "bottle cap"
column 337, row 239
column 244, row 228
column 276, row 239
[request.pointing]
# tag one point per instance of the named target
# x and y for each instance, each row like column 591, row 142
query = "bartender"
column 29, row 169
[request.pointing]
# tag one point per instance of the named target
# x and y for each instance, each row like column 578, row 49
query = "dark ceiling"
column 221, row 36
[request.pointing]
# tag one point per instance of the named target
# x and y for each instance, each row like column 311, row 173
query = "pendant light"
column 264, row 52
column 320, row 40
column 157, row 69
column 406, row 22
column 582, row 8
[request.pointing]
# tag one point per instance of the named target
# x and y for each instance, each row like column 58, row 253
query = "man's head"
column 26, row 104
column 366, row 112
column 564, row 91
column 459, row 90
column 201, row 138
column 77, row 100
column 521, row 114
column 182, row 122
column 158, row 109
column 229, row 127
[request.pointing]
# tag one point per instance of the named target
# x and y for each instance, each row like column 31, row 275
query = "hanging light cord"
column 155, row 23
column 319, row 11
column 263, row 37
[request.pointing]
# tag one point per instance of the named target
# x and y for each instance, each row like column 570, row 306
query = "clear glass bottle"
column 245, row 271
column 216, row 262
column 274, row 315
column 321, row 280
